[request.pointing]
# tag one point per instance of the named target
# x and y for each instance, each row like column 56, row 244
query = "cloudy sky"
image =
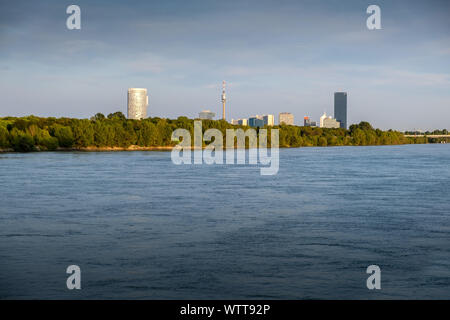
column 276, row 56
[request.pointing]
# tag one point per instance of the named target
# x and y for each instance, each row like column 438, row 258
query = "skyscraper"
column 137, row 103
column 340, row 108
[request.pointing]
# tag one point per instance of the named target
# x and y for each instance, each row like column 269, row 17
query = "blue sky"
column 276, row 56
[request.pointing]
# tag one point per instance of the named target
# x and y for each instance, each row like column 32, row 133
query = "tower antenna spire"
column 224, row 99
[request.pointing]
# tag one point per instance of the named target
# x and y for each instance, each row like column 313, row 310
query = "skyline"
column 275, row 57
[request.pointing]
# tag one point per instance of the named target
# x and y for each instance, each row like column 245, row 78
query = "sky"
column 276, row 56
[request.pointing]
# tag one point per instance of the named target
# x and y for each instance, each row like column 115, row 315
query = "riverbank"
column 96, row 149
column 155, row 148
column 130, row 148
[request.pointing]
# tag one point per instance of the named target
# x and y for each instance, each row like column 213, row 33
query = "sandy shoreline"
column 157, row 148
column 102, row 149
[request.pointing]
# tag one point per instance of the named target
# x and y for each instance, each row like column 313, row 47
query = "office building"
column 286, row 118
column 321, row 120
column 243, row 122
column 137, row 103
column 308, row 123
column 340, row 108
column 269, row 119
column 331, row 123
column 256, row 122
column 206, row 115
column 328, row 122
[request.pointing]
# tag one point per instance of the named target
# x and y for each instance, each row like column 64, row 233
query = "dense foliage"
column 435, row 132
column 35, row 133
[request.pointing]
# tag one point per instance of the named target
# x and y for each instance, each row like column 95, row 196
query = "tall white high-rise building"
column 322, row 118
column 137, row 103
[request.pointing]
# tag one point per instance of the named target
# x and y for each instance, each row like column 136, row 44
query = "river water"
column 140, row 227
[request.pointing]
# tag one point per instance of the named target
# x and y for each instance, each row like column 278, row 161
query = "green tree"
column 117, row 115
column 4, row 138
column 322, row 142
column 98, row 117
column 365, row 126
column 21, row 141
column 83, row 133
column 359, row 138
column 147, row 134
column 63, row 134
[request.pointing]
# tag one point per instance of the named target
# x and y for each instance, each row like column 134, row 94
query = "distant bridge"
column 428, row 135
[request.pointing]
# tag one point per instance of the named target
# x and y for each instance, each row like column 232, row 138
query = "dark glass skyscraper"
column 340, row 108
